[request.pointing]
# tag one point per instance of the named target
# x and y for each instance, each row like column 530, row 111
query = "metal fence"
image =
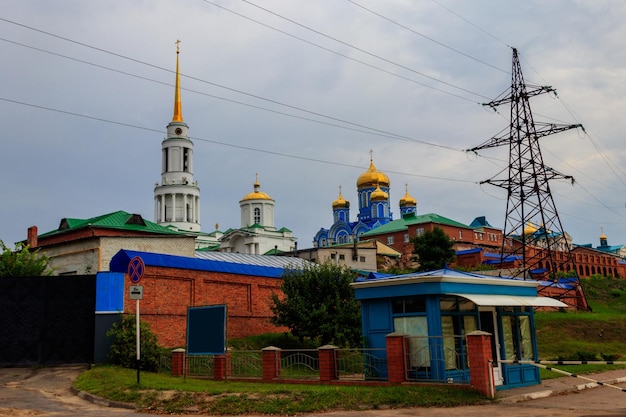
column 299, row 364
column 428, row 359
column 361, row 364
column 200, row 365
column 245, row 363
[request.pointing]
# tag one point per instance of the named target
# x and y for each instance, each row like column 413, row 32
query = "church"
column 177, row 199
column 374, row 209
column 257, row 235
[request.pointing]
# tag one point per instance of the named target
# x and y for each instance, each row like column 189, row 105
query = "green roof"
column 403, row 223
column 119, row 220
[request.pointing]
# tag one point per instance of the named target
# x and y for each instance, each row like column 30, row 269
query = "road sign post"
column 136, row 269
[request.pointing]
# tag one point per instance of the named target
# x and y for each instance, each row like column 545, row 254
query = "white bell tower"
column 177, row 197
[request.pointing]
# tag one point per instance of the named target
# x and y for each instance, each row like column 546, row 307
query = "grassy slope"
column 601, row 332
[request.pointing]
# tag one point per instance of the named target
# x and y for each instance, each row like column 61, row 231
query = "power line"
column 369, row 131
column 610, row 164
column 472, row 24
column 222, row 143
column 351, row 46
column 358, row 125
column 427, row 37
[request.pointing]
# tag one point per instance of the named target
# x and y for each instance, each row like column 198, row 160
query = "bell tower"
column 177, row 197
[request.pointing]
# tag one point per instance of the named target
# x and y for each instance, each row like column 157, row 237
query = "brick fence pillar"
column 219, row 367
column 328, row 363
column 480, row 358
column 178, row 362
column 271, row 363
column 228, row 363
column 397, row 350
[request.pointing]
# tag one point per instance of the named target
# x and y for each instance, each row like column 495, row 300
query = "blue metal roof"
column 445, row 273
column 119, row 263
column 259, row 260
column 468, row 251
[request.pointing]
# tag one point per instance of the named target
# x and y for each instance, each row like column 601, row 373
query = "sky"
column 304, row 93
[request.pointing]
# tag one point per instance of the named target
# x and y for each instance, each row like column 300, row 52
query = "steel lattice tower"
column 532, row 230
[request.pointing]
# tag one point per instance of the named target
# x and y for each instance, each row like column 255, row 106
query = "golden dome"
column 602, row 236
column 378, row 194
column 407, row 200
column 340, row 202
column 372, row 177
column 530, row 229
column 257, row 194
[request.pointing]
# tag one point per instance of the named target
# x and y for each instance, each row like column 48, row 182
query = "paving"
column 49, row 392
column 564, row 385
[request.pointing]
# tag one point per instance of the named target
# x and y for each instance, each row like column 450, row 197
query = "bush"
column 123, row 350
column 586, row 356
column 610, row 357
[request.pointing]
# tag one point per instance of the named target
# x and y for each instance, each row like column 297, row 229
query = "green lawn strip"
column 167, row 394
column 581, row 335
column 583, row 370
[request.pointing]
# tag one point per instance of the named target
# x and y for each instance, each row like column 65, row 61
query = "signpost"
column 136, row 268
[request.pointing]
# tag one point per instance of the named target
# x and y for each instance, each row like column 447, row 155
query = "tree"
column 434, row 249
column 123, row 350
column 23, row 262
column 319, row 303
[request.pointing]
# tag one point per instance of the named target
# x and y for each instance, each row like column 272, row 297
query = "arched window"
column 257, row 215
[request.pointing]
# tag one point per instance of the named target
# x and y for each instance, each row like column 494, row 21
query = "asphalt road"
column 28, row 392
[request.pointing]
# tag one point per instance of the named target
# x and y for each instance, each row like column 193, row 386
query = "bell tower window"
column 257, row 215
column 186, row 159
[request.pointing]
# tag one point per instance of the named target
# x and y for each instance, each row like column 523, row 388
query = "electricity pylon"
column 533, row 232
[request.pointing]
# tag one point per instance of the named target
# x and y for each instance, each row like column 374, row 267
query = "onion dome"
column 378, row 194
column 340, row 202
column 530, row 229
column 603, row 236
column 372, row 177
column 407, row 200
column 257, row 194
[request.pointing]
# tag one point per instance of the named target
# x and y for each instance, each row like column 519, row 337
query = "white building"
column 257, row 234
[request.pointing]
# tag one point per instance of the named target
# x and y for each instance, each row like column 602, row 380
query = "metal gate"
column 47, row 320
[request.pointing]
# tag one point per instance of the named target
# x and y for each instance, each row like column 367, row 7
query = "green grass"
column 577, row 335
column 574, row 335
column 166, row 394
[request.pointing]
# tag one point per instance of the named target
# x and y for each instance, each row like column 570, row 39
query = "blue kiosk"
column 437, row 309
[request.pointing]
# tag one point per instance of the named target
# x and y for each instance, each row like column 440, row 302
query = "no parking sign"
column 136, row 268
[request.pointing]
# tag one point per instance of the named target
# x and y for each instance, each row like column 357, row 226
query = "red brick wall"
column 169, row 292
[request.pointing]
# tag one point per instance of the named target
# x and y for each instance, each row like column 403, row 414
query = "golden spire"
column 178, row 106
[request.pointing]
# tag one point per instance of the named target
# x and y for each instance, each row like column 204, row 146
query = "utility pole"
column 532, row 232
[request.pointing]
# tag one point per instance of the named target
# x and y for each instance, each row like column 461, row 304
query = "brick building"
column 398, row 233
column 244, row 283
column 86, row 246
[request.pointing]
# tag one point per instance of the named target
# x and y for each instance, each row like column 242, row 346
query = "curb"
column 551, row 393
column 102, row 401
